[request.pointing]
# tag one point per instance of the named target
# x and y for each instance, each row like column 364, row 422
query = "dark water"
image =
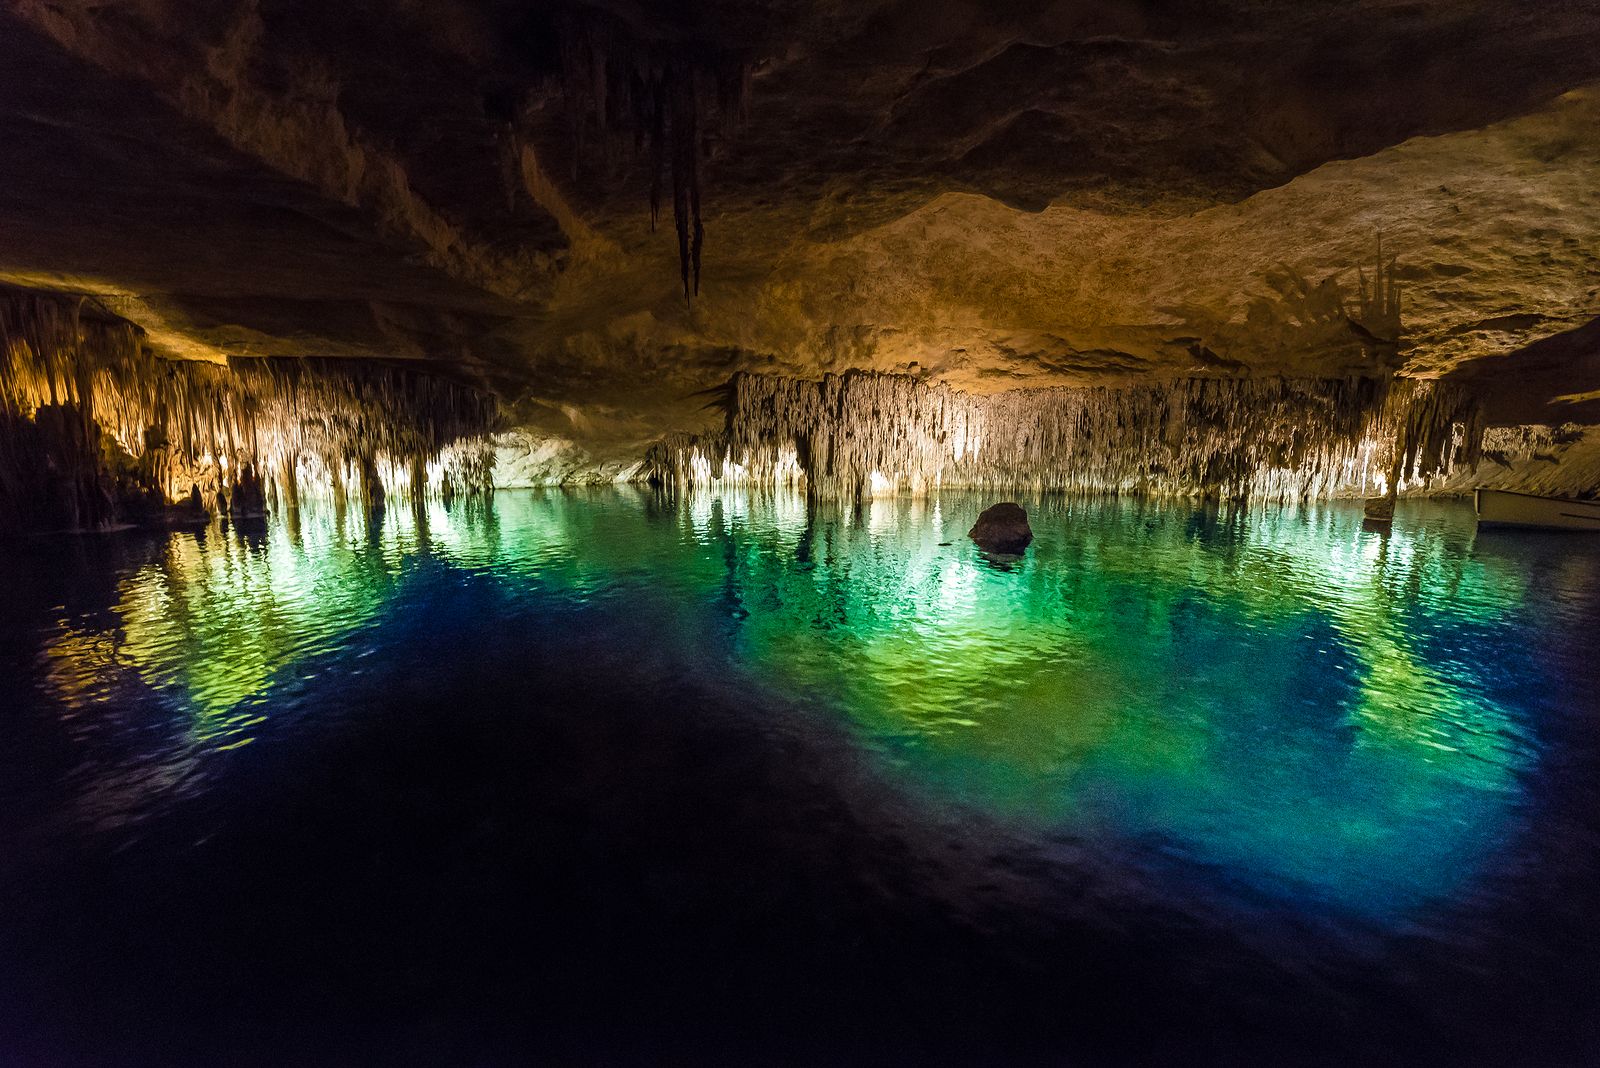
column 615, row 779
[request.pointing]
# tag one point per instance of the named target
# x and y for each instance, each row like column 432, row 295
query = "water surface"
column 620, row 776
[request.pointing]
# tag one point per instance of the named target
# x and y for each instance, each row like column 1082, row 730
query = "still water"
column 619, row 778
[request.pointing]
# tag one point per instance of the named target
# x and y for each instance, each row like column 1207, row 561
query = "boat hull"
column 1503, row 508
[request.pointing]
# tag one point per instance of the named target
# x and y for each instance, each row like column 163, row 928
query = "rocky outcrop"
column 1555, row 461
column 525, row 459
column 1002, row 528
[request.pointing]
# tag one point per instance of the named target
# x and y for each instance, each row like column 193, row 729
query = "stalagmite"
column 1268, row 438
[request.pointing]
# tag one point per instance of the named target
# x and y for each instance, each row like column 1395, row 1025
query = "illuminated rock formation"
column 95, row 429
column 1002, row 528
column 1556, row 461
column 1269, row 438
column 991, row 197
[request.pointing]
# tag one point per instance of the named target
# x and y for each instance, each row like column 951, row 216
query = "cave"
column 908, row 532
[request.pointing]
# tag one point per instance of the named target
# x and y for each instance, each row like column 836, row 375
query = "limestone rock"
column 526, row 459
column 1002, row 528
column 1556, row 461
column 247, row 500
column 987, row 196
column 1261, row 438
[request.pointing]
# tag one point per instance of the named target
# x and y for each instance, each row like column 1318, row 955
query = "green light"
column 1259, row 689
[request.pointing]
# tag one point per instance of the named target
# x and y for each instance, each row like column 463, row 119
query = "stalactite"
column 1270, row 438
column 95, row 429
column 56, row 356
column 667, row 98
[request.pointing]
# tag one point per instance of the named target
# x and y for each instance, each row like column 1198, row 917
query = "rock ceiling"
column 993, row 194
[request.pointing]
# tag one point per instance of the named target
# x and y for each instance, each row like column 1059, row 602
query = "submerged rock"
column 1002, row 528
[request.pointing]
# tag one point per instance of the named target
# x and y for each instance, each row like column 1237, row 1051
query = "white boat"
column 1503, row 508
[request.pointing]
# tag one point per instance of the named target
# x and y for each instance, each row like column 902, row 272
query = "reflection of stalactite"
column 1271, row 438
column 93, row 427
column 668, row 98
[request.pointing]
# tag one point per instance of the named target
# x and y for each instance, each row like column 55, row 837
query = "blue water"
column 619, row 777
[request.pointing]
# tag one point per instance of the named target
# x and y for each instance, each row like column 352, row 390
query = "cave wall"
column 528, row 459
column 97, row 430
column 1556, row 461
column 1006, row 197
column 1075, row 197
column 1265, row 438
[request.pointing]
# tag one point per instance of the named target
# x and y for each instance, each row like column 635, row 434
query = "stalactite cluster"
column 95, row 429
column 669, row 99
column 1268, row 438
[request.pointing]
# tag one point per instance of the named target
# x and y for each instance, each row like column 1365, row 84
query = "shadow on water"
column 1002, row 562
column 606, row 776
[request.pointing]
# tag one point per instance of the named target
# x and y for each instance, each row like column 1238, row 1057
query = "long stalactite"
column 1264, row 437
column 668, row 99
column 95, row 429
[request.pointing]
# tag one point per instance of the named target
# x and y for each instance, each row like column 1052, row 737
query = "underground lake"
column 627, row 776
column 799, row 534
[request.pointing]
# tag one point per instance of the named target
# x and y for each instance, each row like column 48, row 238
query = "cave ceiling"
column 994, row 194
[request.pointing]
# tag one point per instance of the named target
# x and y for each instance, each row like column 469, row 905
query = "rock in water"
column 247, row 499
column 1002, row 528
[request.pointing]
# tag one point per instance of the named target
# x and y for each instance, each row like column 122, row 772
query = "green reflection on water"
column 1252, row 688
column 1243, row 685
